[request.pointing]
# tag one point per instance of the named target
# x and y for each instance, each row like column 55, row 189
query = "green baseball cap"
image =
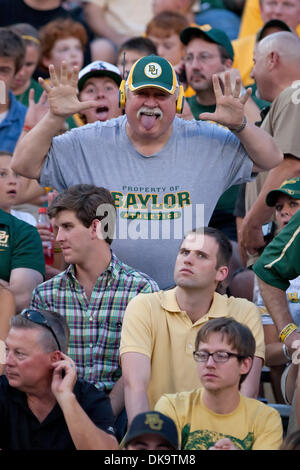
column 290, row 187
column 215, row 35
column 152, row 71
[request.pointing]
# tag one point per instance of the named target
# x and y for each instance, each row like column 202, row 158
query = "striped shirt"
column 95, row 324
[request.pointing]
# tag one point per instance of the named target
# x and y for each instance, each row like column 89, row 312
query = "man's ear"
column 246, row 365
column 273, row 60
column 55, row 356
column 222, row 273
column 228, row 64
column 96, row 229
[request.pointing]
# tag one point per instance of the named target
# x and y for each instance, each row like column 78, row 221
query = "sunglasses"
column 36, row 317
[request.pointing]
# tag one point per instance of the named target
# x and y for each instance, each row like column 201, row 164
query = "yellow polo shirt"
column 155, row 326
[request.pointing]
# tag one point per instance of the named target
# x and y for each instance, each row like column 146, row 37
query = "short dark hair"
column 139, row 43
column 238, row 335
column 57, row 322
column 166, row 23
column 12, row 45
column 225, row 248
column 85, row 200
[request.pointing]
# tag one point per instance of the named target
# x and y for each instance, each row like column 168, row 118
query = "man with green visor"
column 161, row 170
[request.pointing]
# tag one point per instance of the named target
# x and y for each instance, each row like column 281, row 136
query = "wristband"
column 239, row 129
column 26, row 128
column 286, row 352
column 287, row 330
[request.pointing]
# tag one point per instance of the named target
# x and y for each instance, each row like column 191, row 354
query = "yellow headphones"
column 179, row 101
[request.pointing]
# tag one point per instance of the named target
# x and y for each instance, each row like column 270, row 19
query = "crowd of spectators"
column 161, row 138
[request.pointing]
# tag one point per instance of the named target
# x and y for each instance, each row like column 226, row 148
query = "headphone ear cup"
column 122, row 95
column 180, row 100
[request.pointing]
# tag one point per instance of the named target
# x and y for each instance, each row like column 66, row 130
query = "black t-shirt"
column 16, row 11
column 21, row 430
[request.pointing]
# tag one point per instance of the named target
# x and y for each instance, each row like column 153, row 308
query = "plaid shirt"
column 95, row 325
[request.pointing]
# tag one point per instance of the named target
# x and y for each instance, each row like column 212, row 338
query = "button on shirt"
column 95, row 324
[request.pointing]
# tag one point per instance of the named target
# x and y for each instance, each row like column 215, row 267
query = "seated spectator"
column 159, row 329
column 113, row 22
column 291, row 441
column 40, row 380
column 286, row 201
column 63, row 40
column 99, row 81
column 12, row 113
column 216, row 416
column 151, row 431
column 23, row 81
column 132, row 50
column 93, row 292
column 164, row 31
column 22, row 265
column 10, row 186
column 7, row 310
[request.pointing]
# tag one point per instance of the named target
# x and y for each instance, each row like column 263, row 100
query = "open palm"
column 62, row 92
column 229, row 104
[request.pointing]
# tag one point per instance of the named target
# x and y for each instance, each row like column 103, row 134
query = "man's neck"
column 41, row 402
column 88, row 273
column 221, row 401
column 195, row 302
column 147, row 145
column 206, row 98
column 43, row 5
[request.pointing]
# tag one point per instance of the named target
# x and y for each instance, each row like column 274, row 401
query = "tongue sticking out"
column 148, row 121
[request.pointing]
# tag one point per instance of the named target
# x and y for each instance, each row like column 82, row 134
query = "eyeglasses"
column 218, row 356
column 202, row 57
column 39, row 319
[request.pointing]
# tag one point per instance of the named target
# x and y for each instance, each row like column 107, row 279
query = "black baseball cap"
column 270, row 24
column 152, row 422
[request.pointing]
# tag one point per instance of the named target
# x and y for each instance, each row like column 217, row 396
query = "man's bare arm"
column 31, row 150
column 251, row 235
column 230, row 111
column 136, row 370
column 21, row 283
column 250, row 386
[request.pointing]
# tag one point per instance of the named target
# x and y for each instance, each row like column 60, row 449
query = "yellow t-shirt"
column 251, row 426
column 251, row 19
column 155, row 326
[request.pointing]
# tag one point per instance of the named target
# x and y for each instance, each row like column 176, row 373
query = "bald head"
column 276, row 64
column 285, row 44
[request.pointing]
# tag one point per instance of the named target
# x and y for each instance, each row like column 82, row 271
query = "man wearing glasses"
column 43, row 406
column 217, row 416
column 159, row 329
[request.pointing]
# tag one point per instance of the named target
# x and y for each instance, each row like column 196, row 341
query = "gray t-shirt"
column 159, row 198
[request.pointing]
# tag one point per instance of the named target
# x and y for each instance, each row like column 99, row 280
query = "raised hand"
column 64, row 377
column 62, row 92
column 35, row 110
column 229, row 104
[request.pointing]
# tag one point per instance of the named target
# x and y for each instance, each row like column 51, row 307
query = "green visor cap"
column 213, row 34
column 290, row 187
column 152, row 71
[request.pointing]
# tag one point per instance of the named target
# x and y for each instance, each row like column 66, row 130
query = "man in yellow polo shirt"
column 159, row 330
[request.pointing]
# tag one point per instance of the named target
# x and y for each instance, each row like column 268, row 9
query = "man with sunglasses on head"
column 216, row 416
column 43, row 406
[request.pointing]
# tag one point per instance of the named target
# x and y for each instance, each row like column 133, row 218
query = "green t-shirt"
column 38, row 90
column 20, row 246
column 227, row 201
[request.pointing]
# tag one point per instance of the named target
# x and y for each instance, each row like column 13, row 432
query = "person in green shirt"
column 22, row 265
column 23, row 81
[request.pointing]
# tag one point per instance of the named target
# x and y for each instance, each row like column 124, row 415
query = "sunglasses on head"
column 38, row 318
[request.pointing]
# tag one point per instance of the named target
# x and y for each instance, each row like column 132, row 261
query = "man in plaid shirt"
column 93, row 292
